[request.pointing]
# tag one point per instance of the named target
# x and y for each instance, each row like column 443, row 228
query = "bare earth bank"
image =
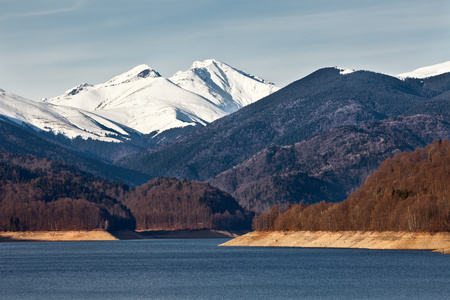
column 53, row 236
column 346, row 239
column 98, row 235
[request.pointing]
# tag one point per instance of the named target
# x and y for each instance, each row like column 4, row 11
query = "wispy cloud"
column 15, row 15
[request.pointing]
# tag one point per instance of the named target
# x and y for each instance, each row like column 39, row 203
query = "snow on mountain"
column 89, row 97
column 226, row 87
column 143, row 100
column 344, row 71
column 428, row 71
column 68, row 121
column 156, row 104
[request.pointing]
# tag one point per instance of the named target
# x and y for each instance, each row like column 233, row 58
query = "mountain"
column 137, row 109
column 338, row 160
column 428, row 71
column 143, row 100
column 326, row 99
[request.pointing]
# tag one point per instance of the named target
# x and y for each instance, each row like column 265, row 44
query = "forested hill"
column 39, row 194
column 168, row 203
column 324, row 100
column 328, row 166
column 410, row 192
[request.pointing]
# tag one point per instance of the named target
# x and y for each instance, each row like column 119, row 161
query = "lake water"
column 198, row 269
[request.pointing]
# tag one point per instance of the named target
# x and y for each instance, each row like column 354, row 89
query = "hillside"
column 68, row 121
column 338, row 160
column 23, row 140
column 37, row 194
column 409, row 192
column 324, row 100
column 168, row 203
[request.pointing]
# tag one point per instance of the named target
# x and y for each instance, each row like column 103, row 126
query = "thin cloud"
column 78, row 5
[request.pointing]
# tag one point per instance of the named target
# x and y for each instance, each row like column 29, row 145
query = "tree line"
column 409, row 192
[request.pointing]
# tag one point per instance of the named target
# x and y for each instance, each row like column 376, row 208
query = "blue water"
column 198, row 269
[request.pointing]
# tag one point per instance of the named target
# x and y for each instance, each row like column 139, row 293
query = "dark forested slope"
column 339, row 160
column 168, row 203
column 17, row 139
column 38, row 194
column 410, row 192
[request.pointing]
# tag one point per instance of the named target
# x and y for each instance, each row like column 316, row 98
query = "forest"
column 168, row 203
column 38, row 194
column 409, row 192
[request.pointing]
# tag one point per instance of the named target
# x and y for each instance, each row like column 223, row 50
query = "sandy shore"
column 97, row 235
column 346, row 239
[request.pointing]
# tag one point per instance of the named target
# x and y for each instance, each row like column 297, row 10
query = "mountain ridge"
column 321, row 101
column 145, row 101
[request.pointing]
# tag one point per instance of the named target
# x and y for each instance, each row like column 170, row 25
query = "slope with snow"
column 69, row 121
column 143, row 100
column 428, row 71
column 226, row 87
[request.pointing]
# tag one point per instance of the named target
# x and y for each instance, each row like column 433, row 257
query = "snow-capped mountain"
column 143, row 100
column 428, row 71
column 226, row 87
column 69, row 121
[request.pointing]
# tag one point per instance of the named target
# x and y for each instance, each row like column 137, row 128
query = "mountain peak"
column 206, row 63
column 228, row 88
column 75, row 90
column 137, row 73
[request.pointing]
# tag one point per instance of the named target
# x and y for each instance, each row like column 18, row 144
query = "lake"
column 199, row 269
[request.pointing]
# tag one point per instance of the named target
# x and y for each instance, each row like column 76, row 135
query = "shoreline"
column 99, row 235
column 438, row 242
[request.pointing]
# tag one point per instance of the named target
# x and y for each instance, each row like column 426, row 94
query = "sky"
column 48, row 47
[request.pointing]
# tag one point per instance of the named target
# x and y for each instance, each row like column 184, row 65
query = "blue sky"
column 47, row 47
